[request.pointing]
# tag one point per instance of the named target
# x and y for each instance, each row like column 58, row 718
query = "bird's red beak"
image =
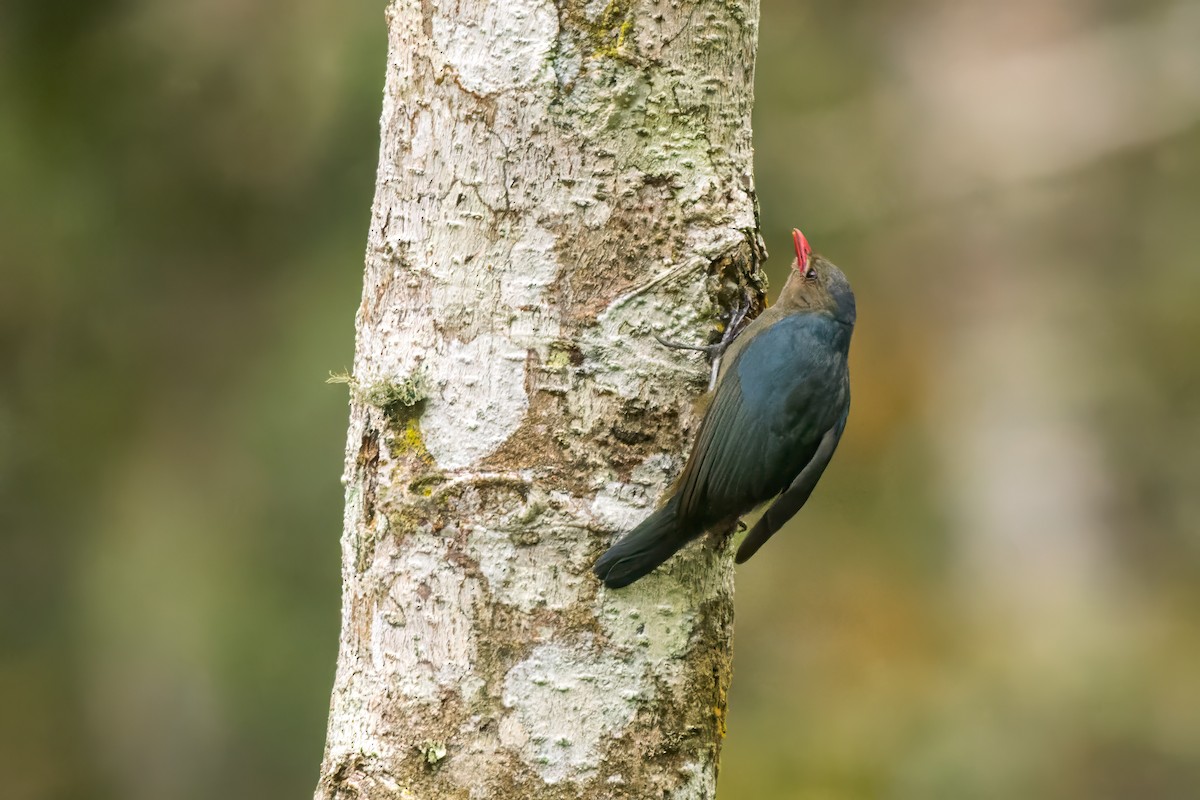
column 803, row 251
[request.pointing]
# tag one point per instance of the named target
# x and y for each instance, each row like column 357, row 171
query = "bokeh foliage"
column 993, row 594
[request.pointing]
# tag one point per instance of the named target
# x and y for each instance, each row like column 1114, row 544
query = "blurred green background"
column 995, row 593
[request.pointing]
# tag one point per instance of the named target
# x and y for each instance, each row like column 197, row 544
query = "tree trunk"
column 556, row 183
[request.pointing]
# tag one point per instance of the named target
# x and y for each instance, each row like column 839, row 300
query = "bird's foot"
column 719, row 535
column 717, row 349
column 711, row 350
column 737, row 317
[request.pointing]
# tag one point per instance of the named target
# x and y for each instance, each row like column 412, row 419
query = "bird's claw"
column 737, row 317
column 717, row 349
column 711, row 350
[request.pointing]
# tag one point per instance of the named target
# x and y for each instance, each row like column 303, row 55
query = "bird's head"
column 817, row 284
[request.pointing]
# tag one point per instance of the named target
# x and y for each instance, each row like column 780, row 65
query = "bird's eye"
column 811, row 275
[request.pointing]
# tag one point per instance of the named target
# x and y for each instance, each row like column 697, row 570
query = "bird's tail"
column 642, row 549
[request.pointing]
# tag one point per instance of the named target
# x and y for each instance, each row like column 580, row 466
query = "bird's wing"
column 766, row 420
column 796, row 495
column 718, row 454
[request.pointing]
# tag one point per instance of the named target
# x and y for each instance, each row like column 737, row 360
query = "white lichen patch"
column 621, row 506
column 701, row 783
column 534, row 251
column 527, row 576
column 531, row 267
column 495, row 46
column 534, row 554
column 654, row 619
column 478, row 400
column 419, row 636
column 565, row 701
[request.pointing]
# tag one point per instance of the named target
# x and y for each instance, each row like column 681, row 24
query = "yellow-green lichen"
column 405, row 519
column 432, row 751
column 492, row 487
column 424, row 484
column 401, row 403
column 534, row 511
column 406, row 440
column 397, row 399
column 525, row 538
column 609, row 33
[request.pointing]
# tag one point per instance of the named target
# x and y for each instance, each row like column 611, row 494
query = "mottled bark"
column 556, row 183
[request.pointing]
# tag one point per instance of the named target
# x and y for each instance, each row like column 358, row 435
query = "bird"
column 772, row 424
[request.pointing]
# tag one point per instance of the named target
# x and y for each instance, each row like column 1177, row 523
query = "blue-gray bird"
column 774, row 420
